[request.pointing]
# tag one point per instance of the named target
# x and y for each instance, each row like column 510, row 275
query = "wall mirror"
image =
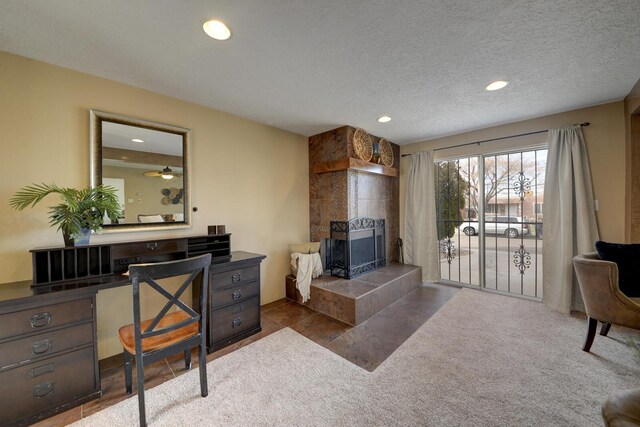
column 147, row 164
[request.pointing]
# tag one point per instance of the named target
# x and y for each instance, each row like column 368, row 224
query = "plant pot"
column 81, row 239
column 68, row 240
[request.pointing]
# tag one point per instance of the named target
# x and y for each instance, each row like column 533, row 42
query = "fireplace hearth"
column 356, row 246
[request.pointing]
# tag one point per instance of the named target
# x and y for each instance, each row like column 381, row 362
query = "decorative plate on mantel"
column 386, row 152
column 362, row 145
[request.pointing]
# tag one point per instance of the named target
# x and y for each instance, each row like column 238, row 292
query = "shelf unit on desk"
column 59, row 265
column 218, row 245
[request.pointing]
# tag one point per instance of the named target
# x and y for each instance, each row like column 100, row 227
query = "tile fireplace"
column 345, row 194
column 356, row 246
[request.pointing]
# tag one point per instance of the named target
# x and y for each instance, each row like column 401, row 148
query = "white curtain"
column 420, row 234
column 569, row 217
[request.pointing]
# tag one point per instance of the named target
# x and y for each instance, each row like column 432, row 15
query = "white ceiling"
column 311, row 65
column 117, row 135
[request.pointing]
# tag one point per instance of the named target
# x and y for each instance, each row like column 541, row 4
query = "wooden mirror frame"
column 95, row 125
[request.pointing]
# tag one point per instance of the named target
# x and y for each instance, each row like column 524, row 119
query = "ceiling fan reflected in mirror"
column 165, row 173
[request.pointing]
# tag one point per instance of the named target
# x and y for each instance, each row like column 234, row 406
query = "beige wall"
column 143, row 194
column 605, row 139
column 251, row 177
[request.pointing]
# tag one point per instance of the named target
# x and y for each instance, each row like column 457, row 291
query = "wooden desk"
column 48, row 340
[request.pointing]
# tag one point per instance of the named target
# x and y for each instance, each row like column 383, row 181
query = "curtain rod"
column 585, row 124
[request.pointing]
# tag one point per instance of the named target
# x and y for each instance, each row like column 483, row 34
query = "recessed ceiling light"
column 498, row 84
column 384, row 119
column 216, row 30
column 137, row 140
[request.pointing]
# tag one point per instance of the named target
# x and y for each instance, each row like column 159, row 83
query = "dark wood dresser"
column 48, row 341
column 234, row 300
column 48, row 356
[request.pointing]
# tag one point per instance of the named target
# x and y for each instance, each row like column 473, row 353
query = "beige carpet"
column 482, row 360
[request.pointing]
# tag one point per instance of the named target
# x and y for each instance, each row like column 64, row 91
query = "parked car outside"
column 510, row 226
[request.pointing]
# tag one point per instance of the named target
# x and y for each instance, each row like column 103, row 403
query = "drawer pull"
column 236, row 277
column 40, row 320
column 41, row 347
column 43, row 389
column 152, row 246
column 236, row 322
column 236, row 295
column 36, row 372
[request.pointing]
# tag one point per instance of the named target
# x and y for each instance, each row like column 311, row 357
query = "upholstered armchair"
column 603, row 300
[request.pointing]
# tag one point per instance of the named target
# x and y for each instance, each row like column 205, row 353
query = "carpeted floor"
column 481, row 360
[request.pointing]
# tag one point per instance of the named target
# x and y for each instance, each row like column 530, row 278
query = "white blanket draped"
column 309, row 267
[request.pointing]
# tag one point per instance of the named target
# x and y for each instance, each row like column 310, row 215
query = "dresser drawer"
column 43, row 318
column 44, row 344
column 222, row 297
column 47, row 383
column 234, row 319
column 224, row 279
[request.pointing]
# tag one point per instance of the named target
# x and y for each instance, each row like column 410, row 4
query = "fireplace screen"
column 356, row 246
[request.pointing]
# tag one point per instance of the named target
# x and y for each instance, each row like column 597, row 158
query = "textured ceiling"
column 311, row 65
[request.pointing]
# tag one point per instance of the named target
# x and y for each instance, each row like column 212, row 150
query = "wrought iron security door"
column 489, row 216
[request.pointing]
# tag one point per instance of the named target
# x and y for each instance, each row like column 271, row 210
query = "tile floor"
column 366, row 345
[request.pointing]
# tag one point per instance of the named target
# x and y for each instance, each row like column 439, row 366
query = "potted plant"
column 78, row 213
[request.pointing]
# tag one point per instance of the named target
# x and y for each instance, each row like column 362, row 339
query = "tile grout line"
column 301, row 320
column 319, row 313
column 273, row 308
column 339, row 336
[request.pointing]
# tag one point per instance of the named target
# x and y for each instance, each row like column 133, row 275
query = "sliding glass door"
column 489, row 216
column 457, row 192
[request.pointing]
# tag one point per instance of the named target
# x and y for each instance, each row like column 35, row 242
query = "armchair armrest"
column 603, row 300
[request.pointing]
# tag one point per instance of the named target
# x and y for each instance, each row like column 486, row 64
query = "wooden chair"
column 166, row 334
column 603, row 301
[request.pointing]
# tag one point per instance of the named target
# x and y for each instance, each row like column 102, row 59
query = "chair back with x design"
column 168, row 332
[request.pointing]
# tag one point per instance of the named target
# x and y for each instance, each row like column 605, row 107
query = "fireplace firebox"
column 356, row 246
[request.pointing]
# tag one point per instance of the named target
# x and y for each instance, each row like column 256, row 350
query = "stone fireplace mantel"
column 354, row 164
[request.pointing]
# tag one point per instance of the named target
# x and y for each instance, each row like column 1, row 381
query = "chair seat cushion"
column 626, row 257
column 127, row 334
